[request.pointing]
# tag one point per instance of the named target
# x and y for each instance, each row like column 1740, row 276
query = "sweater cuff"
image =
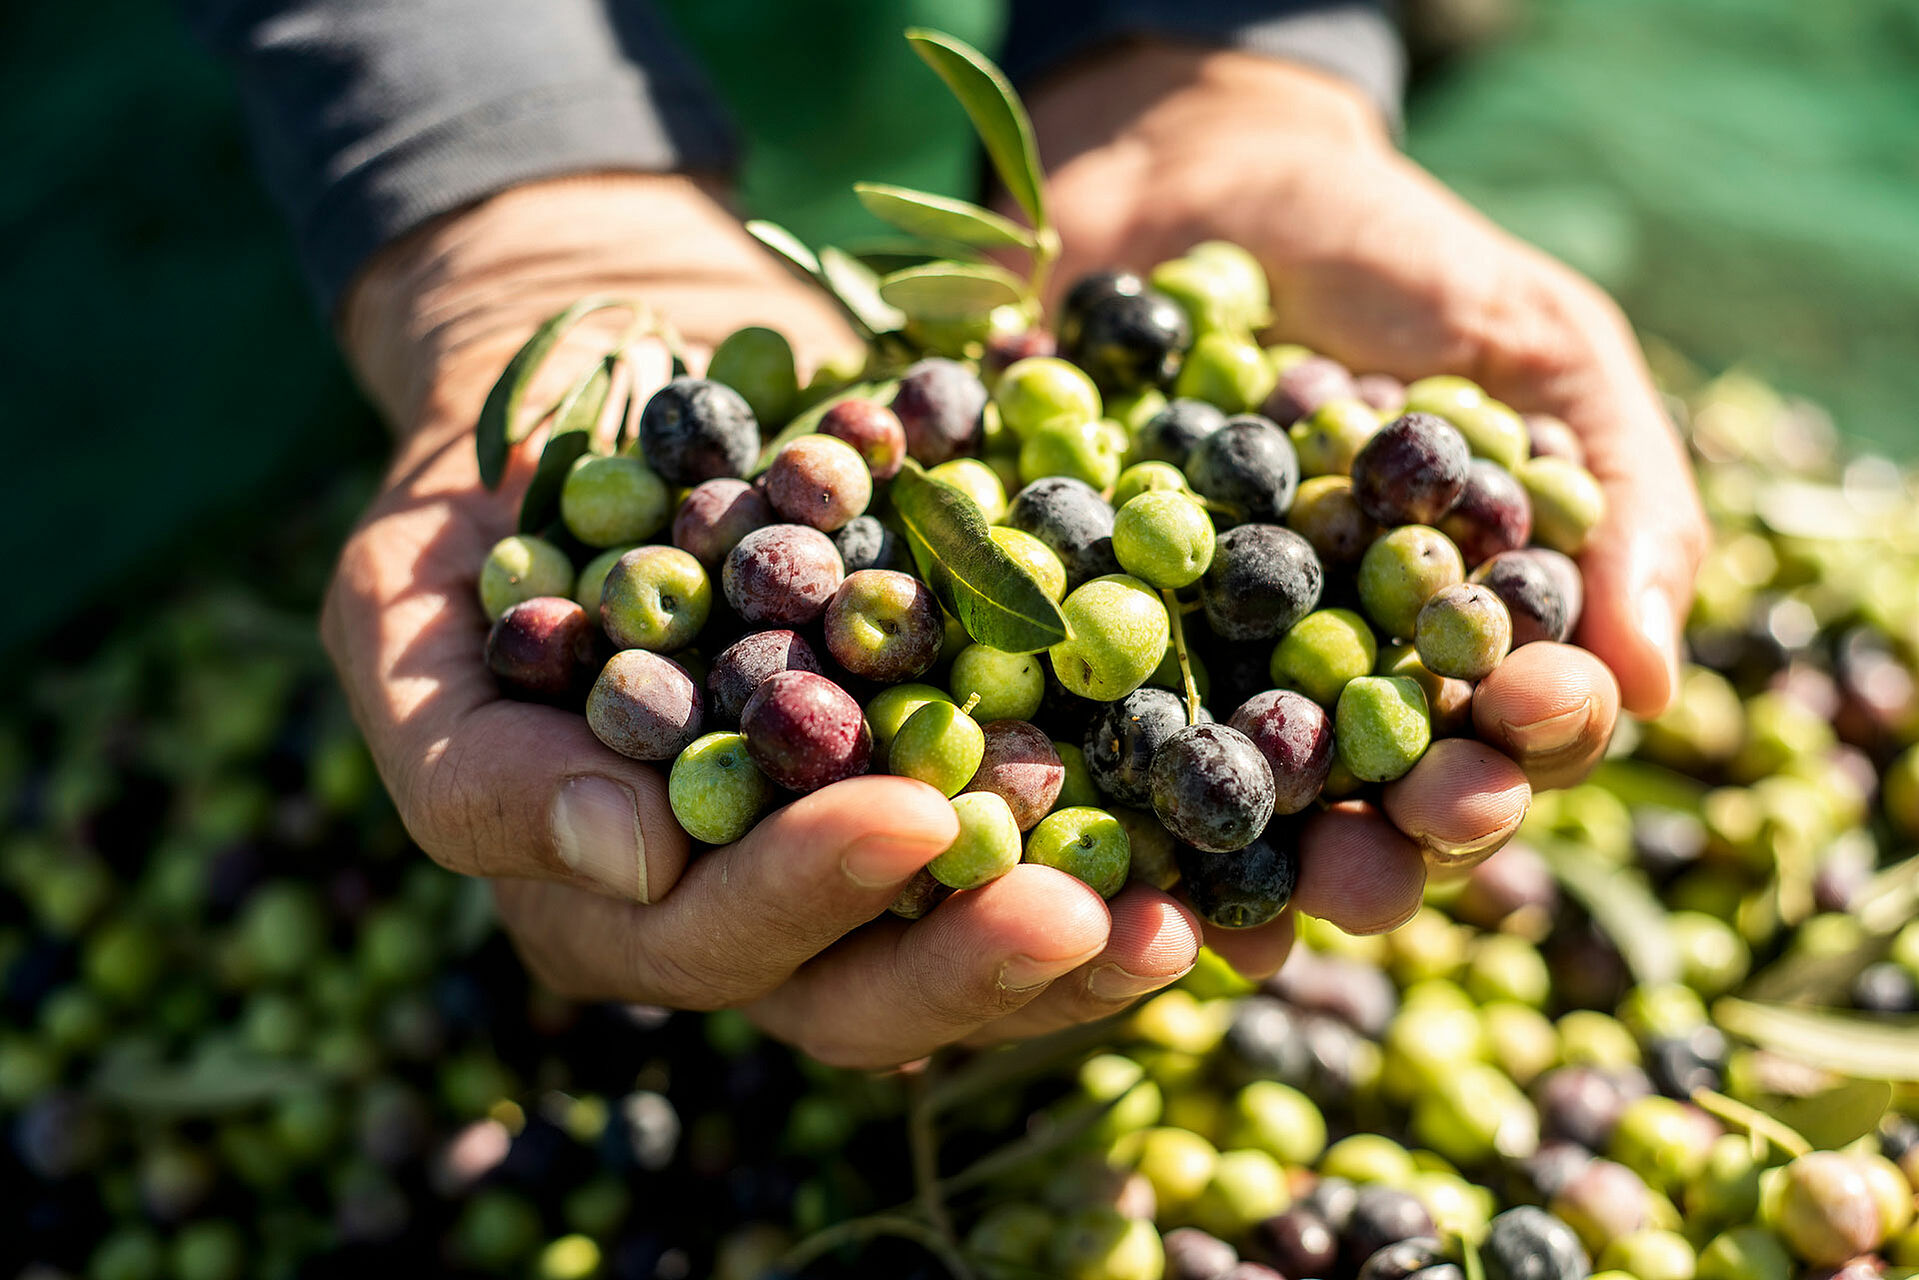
column 370, row 119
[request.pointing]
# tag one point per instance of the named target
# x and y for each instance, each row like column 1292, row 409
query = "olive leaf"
column 808, row 421
column 993, row 596
column 1834, row 1117
column 1853, row 1044
column 1622, row 905
column 939, row 217
column 785, row 244
column 220, row 1079
column 572, row 437
column 998, row 115
column 1636, row 783
column 952, row 290
column 857, row 288
column 499, row 427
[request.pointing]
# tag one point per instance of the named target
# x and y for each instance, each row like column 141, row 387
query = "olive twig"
column 923, row 1146
column 1046, row 251
column 855, row 1230
column 1173, row 612
column 1753, row 1121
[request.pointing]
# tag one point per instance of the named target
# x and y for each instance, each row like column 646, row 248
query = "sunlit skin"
column 1372, row 262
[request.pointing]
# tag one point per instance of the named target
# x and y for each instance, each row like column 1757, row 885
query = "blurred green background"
column 1739, row 172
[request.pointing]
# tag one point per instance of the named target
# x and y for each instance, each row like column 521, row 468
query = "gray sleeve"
column 1349, row 38
column 370, row 117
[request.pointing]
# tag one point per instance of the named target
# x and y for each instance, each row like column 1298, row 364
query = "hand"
column 590, row 870
column 1152, row 148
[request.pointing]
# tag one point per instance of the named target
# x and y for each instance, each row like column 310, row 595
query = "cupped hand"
column 595, row 881
column 1153, row 148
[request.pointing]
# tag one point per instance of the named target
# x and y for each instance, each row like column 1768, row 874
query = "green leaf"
column 857, row 288
column 1853, row 1044
column 996, row 600
column 942, row 218
column 786, row 244
column 758, row 363
column 1834, row 1117
column 572, row 437
column 217, row 1081
column 1623, row 907
column 805, row 424
column 997, row 113
column 1638, row 783
column 952, row 290
column 500, row 427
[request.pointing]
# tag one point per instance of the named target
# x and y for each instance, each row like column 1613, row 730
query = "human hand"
column 591, row 871
column 1152, row 148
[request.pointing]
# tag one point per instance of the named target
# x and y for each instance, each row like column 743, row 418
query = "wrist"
column 432, row 319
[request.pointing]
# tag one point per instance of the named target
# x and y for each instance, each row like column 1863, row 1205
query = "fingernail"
column 1553, row 734
column 882, row 861
column 1110, row 982
column 1023, row 973
column 596, row 829
column 1657, row 625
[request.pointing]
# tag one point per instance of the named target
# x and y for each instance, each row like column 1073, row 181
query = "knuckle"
column 439, row 811
column 954, row 994
column 712, row 980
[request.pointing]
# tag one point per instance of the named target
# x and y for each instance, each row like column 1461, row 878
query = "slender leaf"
column 1041, row 1141
column 996, row 1070
column 857, row 288
column 1797, row 978
column 1862, row 1045
column 572, row 437
column 1837, row 1116
column 1638, row 783
column 952, row 290
column 785, row 244
column 994, row 597
column 941, row 217
column 1623, row 907
column 500, row 427
column 998, row 115
column 214, row 1083
column 808, row 421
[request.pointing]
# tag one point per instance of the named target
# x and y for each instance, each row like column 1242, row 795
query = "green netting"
column 1743, row 174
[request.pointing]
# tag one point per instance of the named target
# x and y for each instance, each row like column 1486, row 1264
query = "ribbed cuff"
column 371, row 118
column 1354, row 40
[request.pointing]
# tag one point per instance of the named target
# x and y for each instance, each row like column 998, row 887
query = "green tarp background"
column 1744, row 174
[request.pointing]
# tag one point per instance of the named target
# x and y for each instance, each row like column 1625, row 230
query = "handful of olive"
column 1275, row 584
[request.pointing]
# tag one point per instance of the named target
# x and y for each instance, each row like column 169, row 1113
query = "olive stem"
column 855, row 1230
column 1173, row 612
column 1753, row 1121
column 923, row 1146
column 1046, row 251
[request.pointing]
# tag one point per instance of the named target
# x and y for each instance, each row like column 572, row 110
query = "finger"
column 744, row 917
column 894, row 992
column 1639, row 563
column 1358, row 870
column 1254, row 953
column 485, row 786
column 1153, row 942
column 1550, row 708
column 1459, row 803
